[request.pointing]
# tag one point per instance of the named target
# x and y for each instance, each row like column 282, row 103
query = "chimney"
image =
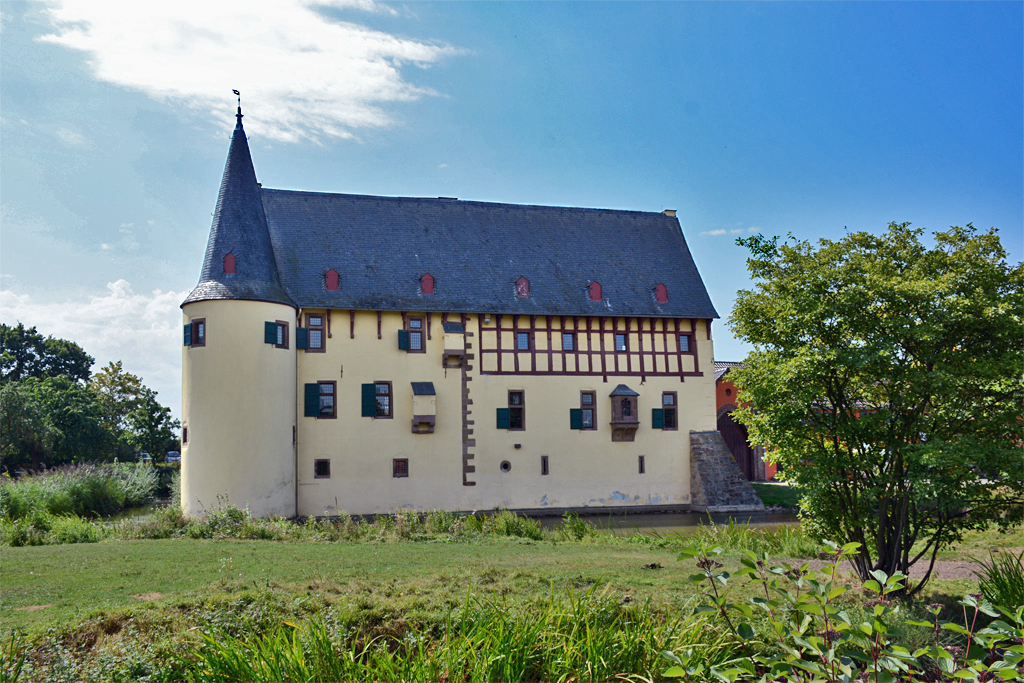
column 671, row 213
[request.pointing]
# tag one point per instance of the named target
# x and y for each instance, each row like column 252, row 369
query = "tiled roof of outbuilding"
column 475, row 251
column 722, row 367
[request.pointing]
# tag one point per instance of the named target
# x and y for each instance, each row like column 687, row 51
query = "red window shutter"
column 661, row 294
column 595, row 291
column 331, row 280
column 229, row 264
column 427, row 284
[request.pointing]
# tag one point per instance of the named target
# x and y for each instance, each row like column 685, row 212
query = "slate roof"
column 239, row 228
column 722, row 367
column 623, row 390
column 423, row 389
column 475, row 251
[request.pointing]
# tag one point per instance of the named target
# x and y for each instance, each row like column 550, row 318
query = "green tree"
column 50, row 422
column 26, row 353
column 132, row 415
column 886, row 379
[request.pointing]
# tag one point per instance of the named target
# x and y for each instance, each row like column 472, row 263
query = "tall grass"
column 578, row 636
column 780, row 541
column 83, row 490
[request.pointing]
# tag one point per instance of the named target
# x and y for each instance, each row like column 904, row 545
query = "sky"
column 803, row 119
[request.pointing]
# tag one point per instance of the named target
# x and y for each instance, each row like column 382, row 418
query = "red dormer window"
column 661, row 294
column 427, row 284
column 331, row 280
column 522, row 287
column 595, row 291
column 229, row 264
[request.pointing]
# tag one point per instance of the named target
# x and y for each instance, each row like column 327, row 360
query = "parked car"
column 173, row 456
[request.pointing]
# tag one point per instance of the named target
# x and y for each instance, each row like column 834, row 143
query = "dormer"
column 331, row 280
column 661, row 293
column 522, row 287
column 427, row 284
column 229, row 264
column 595, row 291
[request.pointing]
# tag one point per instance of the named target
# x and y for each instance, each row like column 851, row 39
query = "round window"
column 728, row 392
column 506, row 466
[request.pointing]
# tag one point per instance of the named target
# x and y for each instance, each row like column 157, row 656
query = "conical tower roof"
column 239, row 229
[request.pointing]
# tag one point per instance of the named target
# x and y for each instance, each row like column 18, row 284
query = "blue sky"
column 802, row 118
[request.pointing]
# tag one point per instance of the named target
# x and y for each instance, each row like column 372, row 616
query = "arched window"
column 661, row 294
column 229, row 264
column 522, row 287
column 427, row 284
column 595, row 291
column 331, row 280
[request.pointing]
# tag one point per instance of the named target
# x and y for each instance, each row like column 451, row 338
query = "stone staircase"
column 717, row 483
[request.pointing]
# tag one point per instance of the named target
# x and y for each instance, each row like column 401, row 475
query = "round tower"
column 238, row 360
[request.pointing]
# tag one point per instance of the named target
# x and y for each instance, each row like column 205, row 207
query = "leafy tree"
column 132, row 415
column 26, row 353
column 50, row 422
column 886, row 379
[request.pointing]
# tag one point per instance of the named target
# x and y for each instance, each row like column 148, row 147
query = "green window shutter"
column 403, row 340
column 301, row 338
column 369, row 400
column 502, row 418
column 312, row 400
column 188, row 334
column 575, row 418
column 270, row 333
column 657, row 418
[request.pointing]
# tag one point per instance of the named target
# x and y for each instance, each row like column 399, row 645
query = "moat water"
column 669, row 523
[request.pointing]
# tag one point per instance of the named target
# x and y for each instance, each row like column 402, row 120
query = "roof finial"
column 239, row 114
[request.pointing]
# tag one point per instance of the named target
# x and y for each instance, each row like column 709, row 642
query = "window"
column 544, row 465
column 321, row 469
column 229, row 264
column 416, row 336
column 668, row 403
column 383, row 393
column 400, row 468
column 506, row 466
column 280, row 330
column 327, row 405
column 627, row 408
column 661, row 294
column 427, row 284
column 568, row 341
column 315, row 323
column 522, row 287
column 595, row 291
column 198, row 332
column 587, row 401
column 331, row 280
column 620, row 342
column 523, row 341
column 684, row 343
column 184, row 433
column 642, row 466
column 516, row 410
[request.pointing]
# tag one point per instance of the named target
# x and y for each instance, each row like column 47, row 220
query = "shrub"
column 1001, row 579
column 83, row 490
column 574, row 527
column 508, row 523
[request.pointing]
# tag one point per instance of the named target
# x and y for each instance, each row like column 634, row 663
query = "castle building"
column 363, row 354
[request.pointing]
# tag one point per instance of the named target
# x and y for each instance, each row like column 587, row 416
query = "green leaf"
column 872, row 585
column 745, row 631
column 674, row 672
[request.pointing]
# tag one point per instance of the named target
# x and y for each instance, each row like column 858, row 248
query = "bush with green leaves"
column 811, row 638
column 83, row 490
column 1001, row 578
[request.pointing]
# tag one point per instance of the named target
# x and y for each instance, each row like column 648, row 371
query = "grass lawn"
column 776, row 493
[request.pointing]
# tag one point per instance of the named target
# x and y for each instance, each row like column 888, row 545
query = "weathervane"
column 239, row 101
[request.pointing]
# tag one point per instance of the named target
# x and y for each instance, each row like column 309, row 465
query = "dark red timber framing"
column 642, row 358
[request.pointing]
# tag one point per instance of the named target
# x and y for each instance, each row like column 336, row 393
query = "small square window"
column 620, row 342
column 321, row 469
column 684, row 343
column 568, row 341
column 383, row 390
column 400, row 467
column 523, row 341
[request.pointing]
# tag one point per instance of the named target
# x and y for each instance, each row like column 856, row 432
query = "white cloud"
column 753, row 229
column 72, row 138
column 443, row 166
column 738, row 231
column 106, row 246
column 302, row 75
column 142, row 330
column 714, row 233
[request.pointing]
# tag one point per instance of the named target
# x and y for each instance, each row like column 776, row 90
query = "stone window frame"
column 321, row 328
column 334, row 404
column 519, row 408
column 198, row 332
column 417, row 330
column 592, row 407
column 282, row 334
column 399, row 468
column 390, row 394
column 322, row 468
column 673, row 407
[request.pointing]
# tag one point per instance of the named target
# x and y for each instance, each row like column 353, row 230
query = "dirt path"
column 944, row 569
